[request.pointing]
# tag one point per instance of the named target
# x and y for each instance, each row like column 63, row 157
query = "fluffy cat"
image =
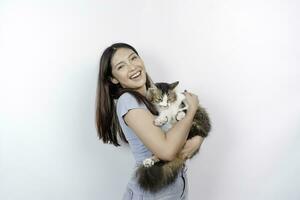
column 155, row 174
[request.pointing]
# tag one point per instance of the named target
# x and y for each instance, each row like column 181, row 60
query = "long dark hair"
column 106, row 117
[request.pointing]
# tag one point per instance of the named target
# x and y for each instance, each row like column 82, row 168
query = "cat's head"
column 162, row 94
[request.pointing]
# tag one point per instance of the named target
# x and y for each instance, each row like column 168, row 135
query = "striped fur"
column 163, row 173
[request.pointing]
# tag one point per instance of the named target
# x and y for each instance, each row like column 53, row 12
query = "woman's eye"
column 120, row 66
column 134, row 57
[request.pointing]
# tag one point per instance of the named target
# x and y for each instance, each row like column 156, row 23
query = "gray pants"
column 176, row 191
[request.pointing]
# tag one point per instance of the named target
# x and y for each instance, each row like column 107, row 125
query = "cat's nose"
column 163, row 104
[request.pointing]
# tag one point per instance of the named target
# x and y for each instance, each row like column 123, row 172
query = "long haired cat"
column 154, row 174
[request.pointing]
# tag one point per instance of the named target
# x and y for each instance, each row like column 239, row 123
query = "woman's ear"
column 113, row 80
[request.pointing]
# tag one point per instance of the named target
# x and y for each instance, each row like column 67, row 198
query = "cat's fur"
column 155, row 174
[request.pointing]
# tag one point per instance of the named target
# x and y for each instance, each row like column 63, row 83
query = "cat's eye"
column 158, row 100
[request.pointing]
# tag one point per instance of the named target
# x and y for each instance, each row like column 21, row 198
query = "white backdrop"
column 240, row 57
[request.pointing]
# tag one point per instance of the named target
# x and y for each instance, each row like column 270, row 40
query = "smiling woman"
column 128, row 70
column 123, row 77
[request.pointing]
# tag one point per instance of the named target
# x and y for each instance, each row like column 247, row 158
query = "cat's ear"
column 173, row 86
column 153, row 86
column 150, row 93
column 151, row 90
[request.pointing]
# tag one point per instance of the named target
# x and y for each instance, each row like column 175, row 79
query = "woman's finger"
column 186, row 92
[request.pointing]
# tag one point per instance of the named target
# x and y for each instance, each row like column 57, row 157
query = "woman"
column 123, row 108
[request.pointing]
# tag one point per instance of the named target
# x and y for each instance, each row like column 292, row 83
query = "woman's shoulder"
column 125, row 95
column 126, row 98
column 127, row 101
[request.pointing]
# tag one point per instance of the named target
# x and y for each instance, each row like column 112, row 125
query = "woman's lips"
column 139, row 74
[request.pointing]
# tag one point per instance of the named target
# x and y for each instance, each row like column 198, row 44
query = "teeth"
column 136, row 75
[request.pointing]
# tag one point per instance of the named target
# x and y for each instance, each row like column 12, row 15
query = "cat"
column 154, row 174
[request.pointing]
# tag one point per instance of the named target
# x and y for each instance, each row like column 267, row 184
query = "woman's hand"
column 192, row 101
column 190, row 147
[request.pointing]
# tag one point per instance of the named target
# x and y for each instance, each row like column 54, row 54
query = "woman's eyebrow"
column 123, row 61
column 119, row 63
column 131, row 54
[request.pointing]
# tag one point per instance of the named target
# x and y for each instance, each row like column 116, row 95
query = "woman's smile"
column 128, row 69
column 135, row 75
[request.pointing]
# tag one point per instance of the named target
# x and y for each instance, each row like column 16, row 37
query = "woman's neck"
column 142, row 90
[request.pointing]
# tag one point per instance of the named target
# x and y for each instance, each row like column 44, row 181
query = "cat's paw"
column 180, row 115
column 160, row 121
column 148, row 162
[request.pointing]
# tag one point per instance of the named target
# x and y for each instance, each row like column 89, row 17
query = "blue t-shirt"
column 140, row 152
column 125, row 103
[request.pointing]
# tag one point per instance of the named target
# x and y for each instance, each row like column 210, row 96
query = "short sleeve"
column 127, row 102
column 124, row 103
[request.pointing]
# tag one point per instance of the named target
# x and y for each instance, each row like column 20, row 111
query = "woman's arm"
column 163, row 145
column 191, row 146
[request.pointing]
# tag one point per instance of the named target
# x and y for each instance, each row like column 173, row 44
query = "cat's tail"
column 201, row 124
column 159, row 175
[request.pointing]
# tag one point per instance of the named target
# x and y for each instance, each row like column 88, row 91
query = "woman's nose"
column 131, row 67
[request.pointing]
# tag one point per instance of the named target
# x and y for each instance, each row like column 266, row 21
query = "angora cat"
column 154, row 174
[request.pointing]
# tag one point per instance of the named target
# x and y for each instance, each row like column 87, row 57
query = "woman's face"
column 128, row 69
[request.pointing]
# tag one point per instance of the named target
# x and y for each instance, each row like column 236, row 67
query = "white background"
column 241, row 58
